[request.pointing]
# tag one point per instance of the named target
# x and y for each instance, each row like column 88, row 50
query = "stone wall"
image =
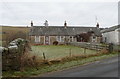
column 12, row 55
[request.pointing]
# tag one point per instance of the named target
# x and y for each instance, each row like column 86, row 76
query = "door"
column 46, row 40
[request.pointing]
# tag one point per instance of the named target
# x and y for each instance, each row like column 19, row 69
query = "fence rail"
column 93, row 46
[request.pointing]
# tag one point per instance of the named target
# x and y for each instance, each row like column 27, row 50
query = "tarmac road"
column 103, row 68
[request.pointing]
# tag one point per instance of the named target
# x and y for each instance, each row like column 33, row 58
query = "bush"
column 30, row 61
column 55, row 43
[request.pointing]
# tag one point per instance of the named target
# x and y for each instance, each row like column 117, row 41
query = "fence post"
column 85, row 50
column 44, row 56
column 110, row 48
column 96, row 48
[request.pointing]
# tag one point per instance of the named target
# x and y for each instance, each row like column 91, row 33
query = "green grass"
column 60, row 51
column 56, row 67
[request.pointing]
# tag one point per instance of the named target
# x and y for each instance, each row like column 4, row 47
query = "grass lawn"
column 56, row 52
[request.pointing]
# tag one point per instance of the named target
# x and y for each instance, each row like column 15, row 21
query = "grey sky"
column 75, row 13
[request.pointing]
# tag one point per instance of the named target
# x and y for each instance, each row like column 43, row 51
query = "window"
column 58, row 38
column 47, row 40
column 62, row 38
column 94, row 37
column 37, row 39
column 70, row 38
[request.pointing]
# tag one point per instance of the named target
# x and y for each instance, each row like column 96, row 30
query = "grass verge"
column 55, row 67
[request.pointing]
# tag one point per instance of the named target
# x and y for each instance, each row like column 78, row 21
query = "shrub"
column 55, row 43
column 29, row 60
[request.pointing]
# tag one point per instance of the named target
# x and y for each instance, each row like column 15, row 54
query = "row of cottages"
column 111, row 35
column 46, row 35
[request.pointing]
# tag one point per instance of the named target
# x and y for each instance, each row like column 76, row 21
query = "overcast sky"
column 75, row 13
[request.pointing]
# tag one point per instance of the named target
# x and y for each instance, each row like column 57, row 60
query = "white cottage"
column 111, row 35
column 47, row 35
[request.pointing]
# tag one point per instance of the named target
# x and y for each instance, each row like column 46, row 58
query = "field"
column 60, row 51
column 8, row 33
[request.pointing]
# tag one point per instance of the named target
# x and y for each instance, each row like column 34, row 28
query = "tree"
column 84, row 37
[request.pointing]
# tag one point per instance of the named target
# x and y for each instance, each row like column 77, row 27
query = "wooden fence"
column 93, row 46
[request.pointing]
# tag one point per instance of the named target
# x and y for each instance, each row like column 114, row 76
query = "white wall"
column 112, row 37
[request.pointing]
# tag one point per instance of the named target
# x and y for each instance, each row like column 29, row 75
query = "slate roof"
column 61, row 30
column 111, row 29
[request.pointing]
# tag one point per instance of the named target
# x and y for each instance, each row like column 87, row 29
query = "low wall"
column 12, row 55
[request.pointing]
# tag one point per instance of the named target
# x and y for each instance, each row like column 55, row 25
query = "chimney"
column 65, row 24
column 46, row 23
column 97, row 25
column 31, row 23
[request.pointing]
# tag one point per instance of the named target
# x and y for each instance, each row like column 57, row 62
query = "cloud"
column 75, row 13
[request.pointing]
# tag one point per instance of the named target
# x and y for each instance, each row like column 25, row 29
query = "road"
column 104, row 68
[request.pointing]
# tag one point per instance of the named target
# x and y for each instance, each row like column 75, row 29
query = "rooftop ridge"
column 67, row 26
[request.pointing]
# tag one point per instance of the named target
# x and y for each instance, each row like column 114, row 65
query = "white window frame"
column 58, row 38
column 72, row 39
column 62, row 38
column 93, row 39
column 37, row 37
